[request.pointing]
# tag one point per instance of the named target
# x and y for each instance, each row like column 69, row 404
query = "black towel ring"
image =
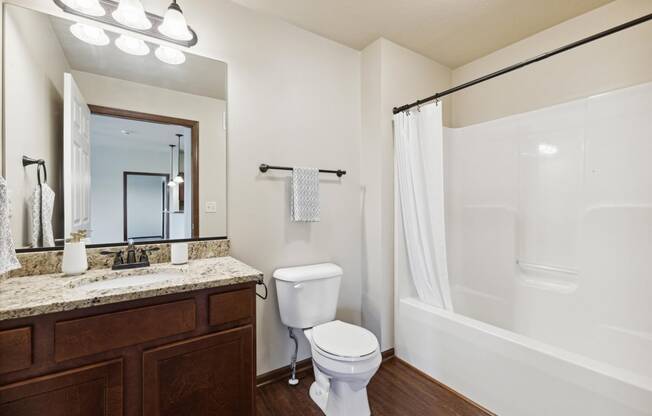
column 38, row 173
column 40, row 163
column 261, row 282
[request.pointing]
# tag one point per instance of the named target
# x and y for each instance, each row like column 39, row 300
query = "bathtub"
column 511, row 374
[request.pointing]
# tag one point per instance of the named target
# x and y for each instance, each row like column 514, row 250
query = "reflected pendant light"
column 89, row 7
column 90, row 34
column 172, row 183
column 131, row 13
column 179, row 178
column 132, row 46
column 174, row 23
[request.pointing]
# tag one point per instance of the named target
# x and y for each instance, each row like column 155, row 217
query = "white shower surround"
column 566, row 191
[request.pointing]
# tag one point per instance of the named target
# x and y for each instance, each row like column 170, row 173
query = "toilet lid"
column 344, row 340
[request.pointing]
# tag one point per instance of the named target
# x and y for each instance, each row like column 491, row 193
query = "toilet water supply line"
column 293, row 381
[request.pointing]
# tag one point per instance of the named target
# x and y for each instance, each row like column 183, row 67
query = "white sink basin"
column 128, row 281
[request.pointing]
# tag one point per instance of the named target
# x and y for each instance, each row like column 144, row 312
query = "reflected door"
column 145, row 202
column 76, row 158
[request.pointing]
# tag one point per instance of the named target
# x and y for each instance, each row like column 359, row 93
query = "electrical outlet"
column 211, row 206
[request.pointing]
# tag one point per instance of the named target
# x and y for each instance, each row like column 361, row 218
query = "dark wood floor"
column 396, row 389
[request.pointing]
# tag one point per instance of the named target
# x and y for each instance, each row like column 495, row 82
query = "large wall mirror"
column 101, row 135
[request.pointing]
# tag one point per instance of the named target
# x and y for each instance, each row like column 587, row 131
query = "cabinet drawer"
column 231, row 306
column 86, row 336
column 15, row 349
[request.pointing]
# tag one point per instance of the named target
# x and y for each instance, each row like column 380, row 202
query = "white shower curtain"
column 418, row 141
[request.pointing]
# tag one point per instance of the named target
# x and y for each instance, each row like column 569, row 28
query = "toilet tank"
column 307, row 295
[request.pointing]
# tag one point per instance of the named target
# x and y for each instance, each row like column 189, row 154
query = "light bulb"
column 131, row 13
column 131, row 45
column 89, row 7
column 174, row 24
column 90, row 34
column 170, row 55
column 548, row 149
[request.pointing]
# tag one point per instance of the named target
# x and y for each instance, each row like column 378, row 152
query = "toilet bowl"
column 345, row 357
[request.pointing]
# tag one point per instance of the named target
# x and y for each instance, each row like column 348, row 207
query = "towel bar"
column 264, row 168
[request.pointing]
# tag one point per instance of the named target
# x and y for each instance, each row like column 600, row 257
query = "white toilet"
column 344, row 356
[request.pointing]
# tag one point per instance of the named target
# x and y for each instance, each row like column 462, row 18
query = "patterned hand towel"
column 8, row 260
column 304, row 201
column 44, row 214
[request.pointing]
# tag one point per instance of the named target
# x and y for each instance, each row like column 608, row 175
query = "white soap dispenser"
column 74, row 254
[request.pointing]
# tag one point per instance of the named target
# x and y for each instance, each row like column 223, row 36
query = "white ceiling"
column 198, row 75
column 108, row 131
column 452, row 32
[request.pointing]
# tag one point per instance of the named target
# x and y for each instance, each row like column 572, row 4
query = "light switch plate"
column 211, row 206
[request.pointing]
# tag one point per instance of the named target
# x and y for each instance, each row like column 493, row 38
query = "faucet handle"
column 117, row 253
column 144, row 253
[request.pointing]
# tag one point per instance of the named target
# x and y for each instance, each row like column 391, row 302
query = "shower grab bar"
column 546, row 268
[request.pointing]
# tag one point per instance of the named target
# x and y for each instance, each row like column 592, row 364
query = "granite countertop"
column 36, row 295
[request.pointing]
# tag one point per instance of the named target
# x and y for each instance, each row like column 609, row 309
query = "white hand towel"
column 8, row 260
column 42, row 214
column 304, row 201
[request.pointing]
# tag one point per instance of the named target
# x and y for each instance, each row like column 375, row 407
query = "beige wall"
column 617, row 61
column 125, row 95
column 391, row 76
column 294, row 99
column 34, row 114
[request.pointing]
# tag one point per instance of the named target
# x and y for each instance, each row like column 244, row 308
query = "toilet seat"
column 344, row 341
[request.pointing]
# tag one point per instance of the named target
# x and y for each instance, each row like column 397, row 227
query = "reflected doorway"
column 146, row 205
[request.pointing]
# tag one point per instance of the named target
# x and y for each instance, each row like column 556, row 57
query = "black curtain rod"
column 264, row 168
column 519, row 65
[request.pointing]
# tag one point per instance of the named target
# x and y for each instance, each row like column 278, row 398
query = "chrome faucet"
column 132, row 260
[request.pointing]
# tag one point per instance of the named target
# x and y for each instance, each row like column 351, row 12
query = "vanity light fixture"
column 89, row 7
column 131, row 13
column 170, row 55
column 174, row 23
column 90, row 34
column 179, row 178
column 132, row 46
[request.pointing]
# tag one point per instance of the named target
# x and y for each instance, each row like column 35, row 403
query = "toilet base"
column 342, row 399
column 319, row 396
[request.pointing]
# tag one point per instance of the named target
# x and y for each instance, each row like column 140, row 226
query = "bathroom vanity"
column 182, row 346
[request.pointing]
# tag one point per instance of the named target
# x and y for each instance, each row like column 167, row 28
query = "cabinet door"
column 208, row 375
column 94, row 390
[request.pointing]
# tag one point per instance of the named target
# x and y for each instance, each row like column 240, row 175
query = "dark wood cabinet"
column 94, row 390
column 182, row 354
column 209, row 375
column 15, row 349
